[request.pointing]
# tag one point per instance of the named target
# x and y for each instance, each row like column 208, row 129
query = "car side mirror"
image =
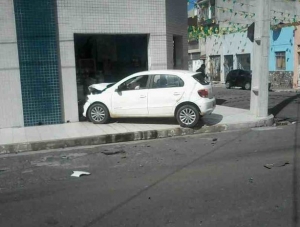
column 119, row 88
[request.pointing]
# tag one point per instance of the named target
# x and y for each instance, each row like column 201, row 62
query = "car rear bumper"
column 207, row 106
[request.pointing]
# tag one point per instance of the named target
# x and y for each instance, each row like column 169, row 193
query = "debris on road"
column 281, row 163
column 268, row 166
column 28, row 171
column 106, row 152
column 214, row 139
column 79, row 173
column 2, row 170
column 251, row 180
column 277, row 164
column 265, row 128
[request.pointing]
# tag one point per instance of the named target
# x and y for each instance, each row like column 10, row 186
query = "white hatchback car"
column 181, row 94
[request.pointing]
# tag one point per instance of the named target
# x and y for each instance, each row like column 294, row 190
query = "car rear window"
column 201, row 78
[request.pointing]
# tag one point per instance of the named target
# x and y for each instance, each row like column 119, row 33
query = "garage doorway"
column 215, row 68
column 107, row 58
column 244, row 61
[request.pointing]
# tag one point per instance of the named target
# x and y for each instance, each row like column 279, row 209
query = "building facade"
column 52, row 50
column 228, row 52
column 281, row 58
column 231, row 48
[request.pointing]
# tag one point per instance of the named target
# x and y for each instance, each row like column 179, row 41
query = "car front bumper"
column 85, row 108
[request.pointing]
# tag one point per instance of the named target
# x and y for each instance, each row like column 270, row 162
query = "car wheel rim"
column 187, row 116
column 98, row 114
column 247, row 86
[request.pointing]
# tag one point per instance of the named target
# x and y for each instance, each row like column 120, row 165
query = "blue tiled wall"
column 38, row 55
column 282, row 40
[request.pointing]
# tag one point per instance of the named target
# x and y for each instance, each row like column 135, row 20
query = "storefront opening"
column 107, row 58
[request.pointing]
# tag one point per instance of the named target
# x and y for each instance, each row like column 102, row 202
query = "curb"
column 126, row 137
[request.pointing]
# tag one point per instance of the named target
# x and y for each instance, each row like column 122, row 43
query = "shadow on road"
column 165, row 121
column 220, row 101
column 208, row 120
column 280, row 106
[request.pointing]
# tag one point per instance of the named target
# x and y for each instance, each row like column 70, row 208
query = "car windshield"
column 108, row 86
column 202, row 78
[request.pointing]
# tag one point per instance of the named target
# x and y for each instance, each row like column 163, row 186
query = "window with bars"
column 280, row 60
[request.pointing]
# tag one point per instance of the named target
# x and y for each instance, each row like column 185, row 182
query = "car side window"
column 167, row 81
column 135, row 83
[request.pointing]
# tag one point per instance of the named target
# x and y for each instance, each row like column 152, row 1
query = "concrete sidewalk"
column 14, row 140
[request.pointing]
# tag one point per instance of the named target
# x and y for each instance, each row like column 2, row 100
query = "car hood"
column 100, row 87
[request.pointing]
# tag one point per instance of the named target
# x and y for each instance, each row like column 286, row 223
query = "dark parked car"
column 239, row 78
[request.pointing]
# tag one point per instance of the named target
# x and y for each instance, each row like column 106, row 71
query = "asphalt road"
column 204, row 180
column 283, row 105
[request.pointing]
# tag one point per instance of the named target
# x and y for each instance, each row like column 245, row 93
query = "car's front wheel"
column 187, row 116
column 98, row 113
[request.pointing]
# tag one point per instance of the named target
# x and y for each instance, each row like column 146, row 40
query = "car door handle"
column 177, row 93
column 143, row 96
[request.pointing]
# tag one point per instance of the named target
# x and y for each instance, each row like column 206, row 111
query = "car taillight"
column 203, row 93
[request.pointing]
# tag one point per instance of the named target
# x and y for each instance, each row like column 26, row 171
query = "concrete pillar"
column 235, row 64
column 259, row 90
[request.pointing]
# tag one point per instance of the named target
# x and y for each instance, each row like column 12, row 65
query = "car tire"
column 187, row 116
column 228, row 85
column 247, row 86
column 98, row 114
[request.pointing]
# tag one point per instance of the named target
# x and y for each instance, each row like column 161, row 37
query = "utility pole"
column 261, row 46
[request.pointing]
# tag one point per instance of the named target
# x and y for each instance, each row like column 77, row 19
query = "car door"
column 164, row 93
column 131, row 99
column 234, row 77
column 241, row 78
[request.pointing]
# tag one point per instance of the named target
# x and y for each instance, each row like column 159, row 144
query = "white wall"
column 238, row 6
column 11, row 110
column 230, row 44
column 118, row 17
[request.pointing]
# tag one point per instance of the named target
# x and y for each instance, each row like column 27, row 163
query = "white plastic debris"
column 79, row 173
column 265, row 128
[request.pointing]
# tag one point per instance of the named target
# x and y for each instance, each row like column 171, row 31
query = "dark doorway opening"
column 107, row 58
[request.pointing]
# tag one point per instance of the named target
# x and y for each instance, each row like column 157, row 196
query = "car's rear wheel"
column 187, row 116
column 98, row 113
column 228, row 85
column 247, row 86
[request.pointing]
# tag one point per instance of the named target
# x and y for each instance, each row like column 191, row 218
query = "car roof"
column 169, row 71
